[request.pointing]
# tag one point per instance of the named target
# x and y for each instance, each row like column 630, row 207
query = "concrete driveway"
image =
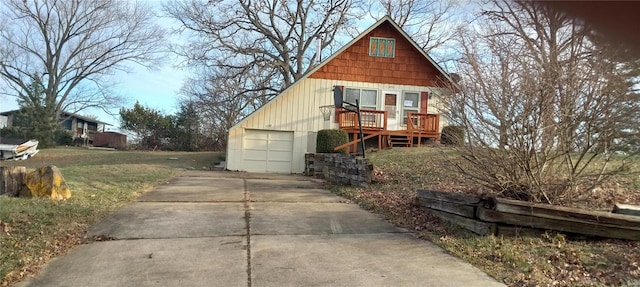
column 237, row 229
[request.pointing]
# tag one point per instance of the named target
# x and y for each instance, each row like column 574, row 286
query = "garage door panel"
column 255, row 154
column 282, row 136
column 279, row 155
column 255, row 144
column 268, row 151
column 282, row 167
column 257, row 135
column 255, row 165
column 280, row 145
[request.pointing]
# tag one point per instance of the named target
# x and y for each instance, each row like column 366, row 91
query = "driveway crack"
column 247, row 219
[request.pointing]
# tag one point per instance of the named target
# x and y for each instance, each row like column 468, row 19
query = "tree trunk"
column 11, row 180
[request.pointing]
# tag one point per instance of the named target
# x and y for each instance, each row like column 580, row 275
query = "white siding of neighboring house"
column 297, row 110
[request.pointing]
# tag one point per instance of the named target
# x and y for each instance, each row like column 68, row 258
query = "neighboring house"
column 78, row 126
column 396, row 82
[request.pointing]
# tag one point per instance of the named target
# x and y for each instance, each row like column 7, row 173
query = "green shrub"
column 327, row 140
column 63, row 137
column 12, row 133
column 452, row 135
column 79, row 142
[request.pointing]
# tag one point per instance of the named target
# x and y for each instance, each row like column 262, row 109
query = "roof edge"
column 7, row 113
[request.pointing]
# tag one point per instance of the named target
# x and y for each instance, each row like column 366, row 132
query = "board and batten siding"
column 297, row 110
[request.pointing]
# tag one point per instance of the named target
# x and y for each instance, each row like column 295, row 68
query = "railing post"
column 386, row 116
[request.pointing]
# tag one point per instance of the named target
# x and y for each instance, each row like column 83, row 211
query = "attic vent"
column 382, row 47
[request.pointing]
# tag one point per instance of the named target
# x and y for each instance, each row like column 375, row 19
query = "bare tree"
column 223, row 100
column 542, row 103
column 71, row 47
column 278, row 37
column 430, row 23
column 244, row 52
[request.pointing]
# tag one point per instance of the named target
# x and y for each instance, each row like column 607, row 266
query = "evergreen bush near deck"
column 327, row 140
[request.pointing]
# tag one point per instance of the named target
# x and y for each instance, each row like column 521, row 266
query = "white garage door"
column 268, row 151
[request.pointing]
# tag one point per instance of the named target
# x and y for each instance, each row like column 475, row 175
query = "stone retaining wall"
column 339, row 168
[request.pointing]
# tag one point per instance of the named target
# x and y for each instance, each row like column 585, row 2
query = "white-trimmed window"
column 410, row 104
column 368, row 98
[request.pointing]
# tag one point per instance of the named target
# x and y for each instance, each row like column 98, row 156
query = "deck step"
column 399, row 140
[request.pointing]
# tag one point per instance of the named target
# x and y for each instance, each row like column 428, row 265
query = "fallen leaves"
column 38, row 251
column 5, row 229
column 551, row 260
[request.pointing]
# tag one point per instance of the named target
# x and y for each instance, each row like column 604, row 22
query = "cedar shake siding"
column 408, row 67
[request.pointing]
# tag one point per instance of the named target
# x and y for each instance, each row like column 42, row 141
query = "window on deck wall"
column 368, row 101
column 368, row 98
column 410, row 104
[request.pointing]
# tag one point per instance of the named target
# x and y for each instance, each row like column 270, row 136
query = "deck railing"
column 371, row 119
column 374, row 124
column 423, row 122
column 377, row 120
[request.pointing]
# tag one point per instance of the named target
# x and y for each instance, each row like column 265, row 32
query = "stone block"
column 46, row 182
column 341, row 168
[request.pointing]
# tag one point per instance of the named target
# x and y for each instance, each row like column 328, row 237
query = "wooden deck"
column 420, row 126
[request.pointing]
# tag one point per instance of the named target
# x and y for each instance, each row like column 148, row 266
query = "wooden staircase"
column 351, row 146
column 400, row 140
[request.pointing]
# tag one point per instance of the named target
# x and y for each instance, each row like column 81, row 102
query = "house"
column 395, row 81
column 80, row 127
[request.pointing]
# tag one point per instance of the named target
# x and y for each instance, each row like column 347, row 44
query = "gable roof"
column 385, row 19
column 66, row 114
column 369, row 30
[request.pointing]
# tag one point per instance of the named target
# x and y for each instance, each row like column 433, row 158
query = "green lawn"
column 34, row 230
column 546, row 260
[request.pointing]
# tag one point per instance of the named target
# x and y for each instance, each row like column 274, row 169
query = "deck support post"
column 357, row 111
column 360, row 124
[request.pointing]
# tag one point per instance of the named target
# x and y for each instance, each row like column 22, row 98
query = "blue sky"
column 157, row 88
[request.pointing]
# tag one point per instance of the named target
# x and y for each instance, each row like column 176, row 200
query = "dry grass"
column 32, row 231
column 548, row 260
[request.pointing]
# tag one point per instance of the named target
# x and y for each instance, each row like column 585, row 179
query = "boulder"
column 46, row 182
